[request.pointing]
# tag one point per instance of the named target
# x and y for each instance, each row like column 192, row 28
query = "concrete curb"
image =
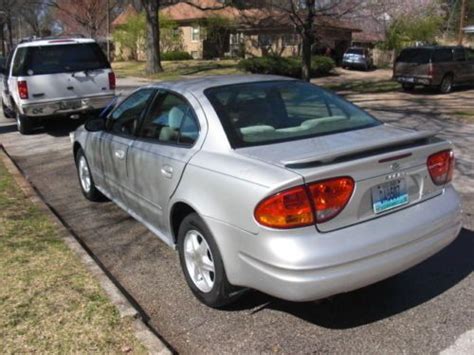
column 143, row 333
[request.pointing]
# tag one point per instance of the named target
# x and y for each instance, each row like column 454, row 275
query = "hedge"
column 178, row 55
column 320, row 65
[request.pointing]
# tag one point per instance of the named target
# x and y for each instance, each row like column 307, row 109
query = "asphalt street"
column 423, row 310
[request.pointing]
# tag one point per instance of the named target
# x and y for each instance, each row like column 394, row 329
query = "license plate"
column 389, row 195
column 70, row 105
column 407, row 80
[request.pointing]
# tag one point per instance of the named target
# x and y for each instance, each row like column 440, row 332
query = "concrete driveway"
column 425, row 309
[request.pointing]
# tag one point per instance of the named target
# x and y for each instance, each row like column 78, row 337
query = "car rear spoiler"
column 363, row 150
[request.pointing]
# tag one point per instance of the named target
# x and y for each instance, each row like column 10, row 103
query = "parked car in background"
column 434, row 66
column 56, row 78
column 271, row 183
column 359, row 58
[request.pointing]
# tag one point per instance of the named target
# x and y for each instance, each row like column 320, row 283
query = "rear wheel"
column 446, row 84
column 24, row 123
column 202, row 264
column 8, row 113
column 85, row 178
column 408, row 86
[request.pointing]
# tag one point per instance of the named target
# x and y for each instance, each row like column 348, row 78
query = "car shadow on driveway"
column 384, row 299
column 8, row 129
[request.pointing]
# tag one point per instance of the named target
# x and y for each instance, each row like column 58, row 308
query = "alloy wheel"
column 199, row 261
column 84, row 174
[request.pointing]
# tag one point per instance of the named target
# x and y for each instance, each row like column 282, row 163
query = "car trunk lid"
column 379, row 159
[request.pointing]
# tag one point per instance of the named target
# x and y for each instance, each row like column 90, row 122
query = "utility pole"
column 461, row 22
column 108, row 30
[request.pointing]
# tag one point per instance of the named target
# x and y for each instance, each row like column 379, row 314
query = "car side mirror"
column 95, row 124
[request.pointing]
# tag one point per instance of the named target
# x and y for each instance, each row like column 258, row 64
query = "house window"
column 195, row 34
column 265, row 40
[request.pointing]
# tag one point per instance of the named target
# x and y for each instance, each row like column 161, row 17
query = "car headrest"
column 175, row 117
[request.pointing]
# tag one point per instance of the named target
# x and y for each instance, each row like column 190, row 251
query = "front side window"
column 470, row 54
column 125, row 118
column 278, row 111
column 170, row 120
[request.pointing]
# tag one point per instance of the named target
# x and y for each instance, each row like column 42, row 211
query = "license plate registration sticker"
column 389, row 195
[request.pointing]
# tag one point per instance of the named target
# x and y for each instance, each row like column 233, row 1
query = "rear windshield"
column 59, row 59
column 415, row 55
column 277, row 111
column 355, row 51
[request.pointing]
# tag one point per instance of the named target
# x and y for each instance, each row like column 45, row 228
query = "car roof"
column 198, row 85
column 54, row 42
column 434, row 47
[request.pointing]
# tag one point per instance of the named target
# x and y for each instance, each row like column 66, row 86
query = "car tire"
column 8, row 113
column 199, row 255
column 408, row 87
column 446, row 84
column 88, row 188
column 24, row 124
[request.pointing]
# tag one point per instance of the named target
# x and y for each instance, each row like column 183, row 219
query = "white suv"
column 47, row 78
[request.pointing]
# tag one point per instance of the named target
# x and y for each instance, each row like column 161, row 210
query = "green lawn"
column 174, row 70
column 365, row 86
column 49, row 303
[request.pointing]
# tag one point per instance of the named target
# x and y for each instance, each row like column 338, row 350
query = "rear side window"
column 443, row 55
column 63, row 58
column 415, row 55
column 459, row 55
column 277, row 111
column 19, row 62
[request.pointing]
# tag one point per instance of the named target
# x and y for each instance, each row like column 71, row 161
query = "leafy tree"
column 171, row 36
column 406, row 31
column 131, row 34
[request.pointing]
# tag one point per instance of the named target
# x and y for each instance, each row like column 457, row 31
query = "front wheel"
column 24, row 124
column 85, row 178
column 202, row 264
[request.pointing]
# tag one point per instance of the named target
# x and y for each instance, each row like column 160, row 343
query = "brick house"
column 255, row 32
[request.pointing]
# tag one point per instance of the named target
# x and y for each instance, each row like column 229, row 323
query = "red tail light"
column 112, row 81
column 294, row 208
column 287, row 209
column 330, row 197
column 431, row 71
column 441, row 167
column 23, row 89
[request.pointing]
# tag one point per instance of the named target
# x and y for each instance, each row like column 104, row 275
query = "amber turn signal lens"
column 330, row 197
column 286, row 209
column 441, row 167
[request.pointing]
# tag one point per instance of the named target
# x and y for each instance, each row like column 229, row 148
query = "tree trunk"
column 10, row 33
column 306, row 59
column 308, row 40
column 153, row 64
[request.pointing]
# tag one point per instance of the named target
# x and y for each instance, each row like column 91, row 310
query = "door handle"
column 119, row 154
column 167, row 171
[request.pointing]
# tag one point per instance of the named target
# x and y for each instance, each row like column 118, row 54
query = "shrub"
column 176, row 55
column 320, row 65
column 271, row 65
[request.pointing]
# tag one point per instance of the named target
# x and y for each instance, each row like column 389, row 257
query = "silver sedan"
column 271, row 183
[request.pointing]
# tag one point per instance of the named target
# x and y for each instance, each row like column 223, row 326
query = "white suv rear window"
column 59, row 59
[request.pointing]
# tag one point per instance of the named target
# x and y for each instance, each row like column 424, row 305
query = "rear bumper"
column 303, row 265
column 66, row 107
column 415, row 80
